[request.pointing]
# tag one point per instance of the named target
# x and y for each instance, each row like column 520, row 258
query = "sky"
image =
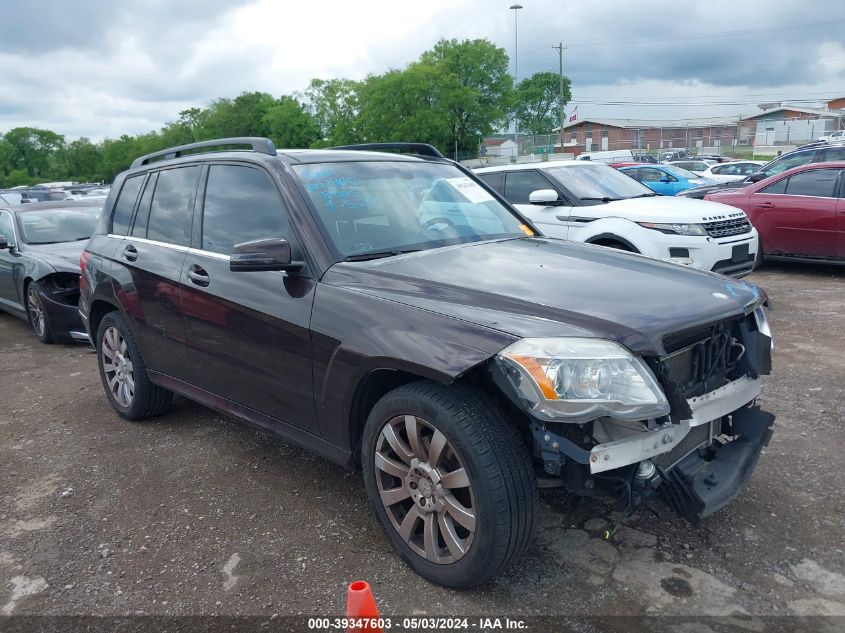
column 99, row 68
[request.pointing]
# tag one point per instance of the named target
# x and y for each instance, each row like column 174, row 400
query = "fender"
column 344, row 353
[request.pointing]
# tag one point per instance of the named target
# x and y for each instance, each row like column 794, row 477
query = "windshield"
column 380, row 208
column 595, row 181
column 679, row 172
column 50, row 226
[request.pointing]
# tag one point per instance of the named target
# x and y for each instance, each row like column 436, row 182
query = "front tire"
column 450, row 480
column 124, row 374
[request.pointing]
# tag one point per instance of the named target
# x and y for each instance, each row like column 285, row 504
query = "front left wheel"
column 450, row 480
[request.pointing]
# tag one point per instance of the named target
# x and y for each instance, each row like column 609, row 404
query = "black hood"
column 64, row 257
column 536, row 287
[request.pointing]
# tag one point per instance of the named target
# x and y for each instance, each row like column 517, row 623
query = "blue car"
column 667, row 180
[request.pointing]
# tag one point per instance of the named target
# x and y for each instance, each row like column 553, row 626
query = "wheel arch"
column 606, row 239
column 99, row 309
column 374, row 385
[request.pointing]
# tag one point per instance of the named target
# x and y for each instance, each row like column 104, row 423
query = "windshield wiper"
column 604, row 199
column 362, row 257
column 646, row 195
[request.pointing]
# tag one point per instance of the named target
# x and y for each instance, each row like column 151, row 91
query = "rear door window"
column 172, row 205
column 241, row 205
column 125, row 204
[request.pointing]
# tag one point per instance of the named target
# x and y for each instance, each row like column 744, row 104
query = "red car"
column 799, row 213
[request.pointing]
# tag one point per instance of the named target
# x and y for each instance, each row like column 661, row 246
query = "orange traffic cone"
column 360, row 605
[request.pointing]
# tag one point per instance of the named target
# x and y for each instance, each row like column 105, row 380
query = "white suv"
column 591, row 202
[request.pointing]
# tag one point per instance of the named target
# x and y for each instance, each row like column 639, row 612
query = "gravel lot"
column 194, row 514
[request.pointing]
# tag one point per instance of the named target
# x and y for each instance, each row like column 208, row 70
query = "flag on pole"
column 573, row 115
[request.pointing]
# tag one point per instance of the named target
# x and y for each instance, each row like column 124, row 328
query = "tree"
column 288, row 124
column 402, row 105
column 32, row 150
column 82, row 160
column 473, row 88
column 241, row 116
column 335, row 106
column 537, row 102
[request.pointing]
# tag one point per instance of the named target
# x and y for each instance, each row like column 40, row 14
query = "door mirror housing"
column 266, row 254
column 4, row 243
column 545, row 197
column 665, row 179
column 757, row 176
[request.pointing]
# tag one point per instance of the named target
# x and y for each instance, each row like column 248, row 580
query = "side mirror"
column 757, row 176
column 665, row 179
column 267, row 254
column 4, row 243
column 545, row 197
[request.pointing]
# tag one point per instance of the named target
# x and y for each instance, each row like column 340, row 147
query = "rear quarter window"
column 125, row 205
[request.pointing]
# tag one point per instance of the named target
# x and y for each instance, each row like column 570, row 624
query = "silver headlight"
column 676, row 229
column 581, row 379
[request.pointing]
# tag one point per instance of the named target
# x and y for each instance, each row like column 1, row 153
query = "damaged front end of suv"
column 681, row 424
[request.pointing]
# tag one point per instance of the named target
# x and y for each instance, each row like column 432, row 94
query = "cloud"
column 96, row 68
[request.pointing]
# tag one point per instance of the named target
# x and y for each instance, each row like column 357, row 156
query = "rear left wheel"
column 124, row 374
column 36, row 314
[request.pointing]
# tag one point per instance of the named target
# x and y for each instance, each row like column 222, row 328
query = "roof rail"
column 418, row 149
column 260, row 145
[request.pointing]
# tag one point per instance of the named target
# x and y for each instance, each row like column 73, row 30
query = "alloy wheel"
column 36, row 311
column 425, row 489
column 117, row 367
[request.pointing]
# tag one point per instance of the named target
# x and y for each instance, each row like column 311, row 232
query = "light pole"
column 515, row 8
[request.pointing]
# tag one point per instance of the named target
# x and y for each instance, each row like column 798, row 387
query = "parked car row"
column 396, row 313
column 54, row 192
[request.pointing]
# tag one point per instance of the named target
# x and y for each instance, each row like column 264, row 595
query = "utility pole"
column 560, row 48
column 515, row 8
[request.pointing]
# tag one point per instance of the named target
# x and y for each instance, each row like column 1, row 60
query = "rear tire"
column 457, row 499
column 37, row 316
column 124, row 374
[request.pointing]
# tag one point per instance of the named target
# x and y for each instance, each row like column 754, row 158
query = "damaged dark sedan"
column 393, row 313
column 40, row 245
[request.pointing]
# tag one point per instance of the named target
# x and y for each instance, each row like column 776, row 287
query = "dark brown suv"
column 394, row 313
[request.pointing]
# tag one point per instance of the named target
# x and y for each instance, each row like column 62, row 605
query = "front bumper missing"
column 641, row 445
column 696, row 487
column 702, row 464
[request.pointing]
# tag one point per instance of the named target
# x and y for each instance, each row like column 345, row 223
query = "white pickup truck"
column 592, row 202
column 839, row 135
